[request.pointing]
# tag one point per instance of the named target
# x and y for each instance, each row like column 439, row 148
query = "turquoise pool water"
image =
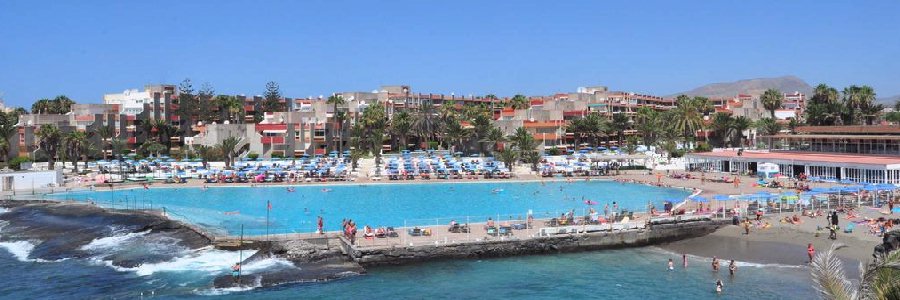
column 227, row 208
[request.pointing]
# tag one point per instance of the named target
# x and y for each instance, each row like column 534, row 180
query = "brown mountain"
column 888, row 101
column 750, row 86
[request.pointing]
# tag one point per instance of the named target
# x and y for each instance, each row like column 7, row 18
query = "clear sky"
column 84, row 49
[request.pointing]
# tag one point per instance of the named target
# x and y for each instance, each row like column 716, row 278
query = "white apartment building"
column 131, row 101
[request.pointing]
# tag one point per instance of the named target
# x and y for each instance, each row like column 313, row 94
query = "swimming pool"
column 226, row 208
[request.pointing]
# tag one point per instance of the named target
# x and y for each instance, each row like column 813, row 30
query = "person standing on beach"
column 747, row 227
column 811, row 251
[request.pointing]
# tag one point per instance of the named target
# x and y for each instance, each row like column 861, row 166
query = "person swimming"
column 496, row 191
column 719, row 286
column 671, row 265
column 290, row 189
column 326, row 190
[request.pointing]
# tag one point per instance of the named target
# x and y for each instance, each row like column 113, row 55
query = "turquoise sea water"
column 227, row 208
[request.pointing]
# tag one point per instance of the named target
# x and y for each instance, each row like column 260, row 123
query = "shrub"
column 252, row 156
column 16, row 162
column 702, row 147
column 277, row 155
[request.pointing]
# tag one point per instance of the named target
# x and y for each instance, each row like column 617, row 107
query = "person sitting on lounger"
column 367, row 232
column 490, row 224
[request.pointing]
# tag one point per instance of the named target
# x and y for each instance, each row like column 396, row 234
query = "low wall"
column 538, row 245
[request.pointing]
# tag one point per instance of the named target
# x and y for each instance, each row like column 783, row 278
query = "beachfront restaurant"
column 861, row 168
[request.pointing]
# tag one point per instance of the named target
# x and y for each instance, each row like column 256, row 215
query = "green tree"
column 338, row 117
column 59, row 105
column 648, row 125
column 49, row 140
column 768, row 126
column 878, row 280
column 118, row 146
column 455, row 134
column 686, row 117
column 425, row 123
column 508, row 157
column 232, row 106
column 771, row 99
column 619, row 124
column 206, row 98
column 494, row 138
column 520, row 102
column 8, row 128
column 739, row 125
column 273, row 99
column 226, row 147
column 188, row 105
column 75, row 143
column 105, row 133
column 859, row 101
column 401, row 127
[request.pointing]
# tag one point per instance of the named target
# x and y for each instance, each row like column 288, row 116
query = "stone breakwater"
column 575, row 242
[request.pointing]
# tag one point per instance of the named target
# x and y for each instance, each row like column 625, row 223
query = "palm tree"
column 455, row 134
column 4, row 148
column 596, row 125
column 878, row 280
column 739, row 125
column 722, row 126
column 118, row 146
column 768, row 126
column 619, row 124
column 482, row 125
column 508, row 157
column 232, row 106
column 75, row 142
column 226, row 147
column 648, row 125
column 523, row 140
column 494, row 138
column 401, row 126
column 338, row 118
column 8, row 127
column 857, row 99
column 520, row 102
column 686, row 117
column 206, row 153
column 424, row 123
column 105, row 133
column 532, row 157
column 771, row 99
column 152, row 147
column 49, row 138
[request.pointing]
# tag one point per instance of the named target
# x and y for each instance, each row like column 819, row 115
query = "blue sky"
column 84, row 49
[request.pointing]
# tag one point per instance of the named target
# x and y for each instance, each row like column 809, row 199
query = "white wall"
column 30, row 180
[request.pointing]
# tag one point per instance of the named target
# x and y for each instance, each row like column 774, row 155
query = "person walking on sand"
column 811, row 251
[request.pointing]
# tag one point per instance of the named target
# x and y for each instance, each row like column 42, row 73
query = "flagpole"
column 268, row 208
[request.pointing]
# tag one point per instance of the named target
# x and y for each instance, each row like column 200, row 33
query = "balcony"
column 272, row 140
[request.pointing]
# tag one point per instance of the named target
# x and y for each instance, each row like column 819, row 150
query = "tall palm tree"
column 232, row 106
column 508, row 157
column 8, row 128
column 4, row 148
column 723, row 126
column 105, row 133
column 768, row 126
column 425, row 124
column 118, row 146
column 619, row 124
column 75, row 142
column 49, row 138
column 648, row 125
column 455, row 134
column 336, row 100
column 523, row 140
column 771, row 100
column 739, row 125
column 482, row 125
column 596, row 126
column 686, row 117
column 401, row 126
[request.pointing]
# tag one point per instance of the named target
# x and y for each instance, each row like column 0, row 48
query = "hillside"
column 749, row 86
column 888, row 101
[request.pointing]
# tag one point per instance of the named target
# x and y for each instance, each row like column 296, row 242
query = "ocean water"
column 614, row 274
column 227, row 208
column 618, row 274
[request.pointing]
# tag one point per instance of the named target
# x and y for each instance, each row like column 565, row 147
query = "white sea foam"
column 19, row 249
column 112, row 242
column 206, row 260
column 725, row 262
column 266, row 265
column 225, row 291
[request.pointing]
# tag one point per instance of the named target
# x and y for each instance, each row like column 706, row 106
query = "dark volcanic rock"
column 890, row 243
column 325, row 270
column 60, row 230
